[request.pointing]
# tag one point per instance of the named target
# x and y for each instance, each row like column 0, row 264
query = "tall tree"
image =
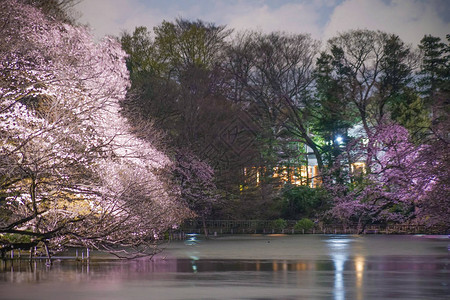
column 434, row 81
column 434, row 65
column 71, row 172
column 272, row 76
column 374, row 69
column 174, row 77
column 176, row 85
column 333, row 113
column 184, row 44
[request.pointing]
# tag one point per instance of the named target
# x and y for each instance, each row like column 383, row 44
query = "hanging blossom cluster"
column 71, row 170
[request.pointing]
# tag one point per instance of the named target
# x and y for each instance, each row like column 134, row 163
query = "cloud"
column 114, row 16
column 411, row 20
column 290, row 17
column 111, row 17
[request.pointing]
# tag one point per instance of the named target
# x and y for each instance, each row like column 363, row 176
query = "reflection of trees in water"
column 337, row 267
column 22, row 271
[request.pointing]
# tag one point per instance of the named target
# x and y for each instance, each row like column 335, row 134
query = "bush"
column 279, row 224
column 304, row 224
column 302, row 201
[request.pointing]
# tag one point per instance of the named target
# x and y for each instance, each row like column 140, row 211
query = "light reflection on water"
column 244, row 267
column 339, row 252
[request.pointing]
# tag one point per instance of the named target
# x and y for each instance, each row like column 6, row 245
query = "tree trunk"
column 49, row 259
column 205, row 230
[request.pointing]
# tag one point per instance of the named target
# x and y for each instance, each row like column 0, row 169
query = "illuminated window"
column 358, row 168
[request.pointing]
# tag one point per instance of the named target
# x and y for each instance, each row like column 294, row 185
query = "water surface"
column 249, row 267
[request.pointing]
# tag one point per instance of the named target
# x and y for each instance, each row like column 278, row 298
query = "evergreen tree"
column 434, row 66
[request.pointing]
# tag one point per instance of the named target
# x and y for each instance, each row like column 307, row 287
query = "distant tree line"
column 364, row 97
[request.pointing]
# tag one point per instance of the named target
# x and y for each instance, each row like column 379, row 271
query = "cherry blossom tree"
column 196, row 180
column 71, row 172
column 407, row 183
column 434, row 205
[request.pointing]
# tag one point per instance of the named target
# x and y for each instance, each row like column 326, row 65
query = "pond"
column 259, row 267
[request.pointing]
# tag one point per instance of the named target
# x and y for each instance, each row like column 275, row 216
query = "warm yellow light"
column 275, row 265
column 359, row 268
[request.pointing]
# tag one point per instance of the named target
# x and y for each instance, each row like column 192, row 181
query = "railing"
column 215, row 227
